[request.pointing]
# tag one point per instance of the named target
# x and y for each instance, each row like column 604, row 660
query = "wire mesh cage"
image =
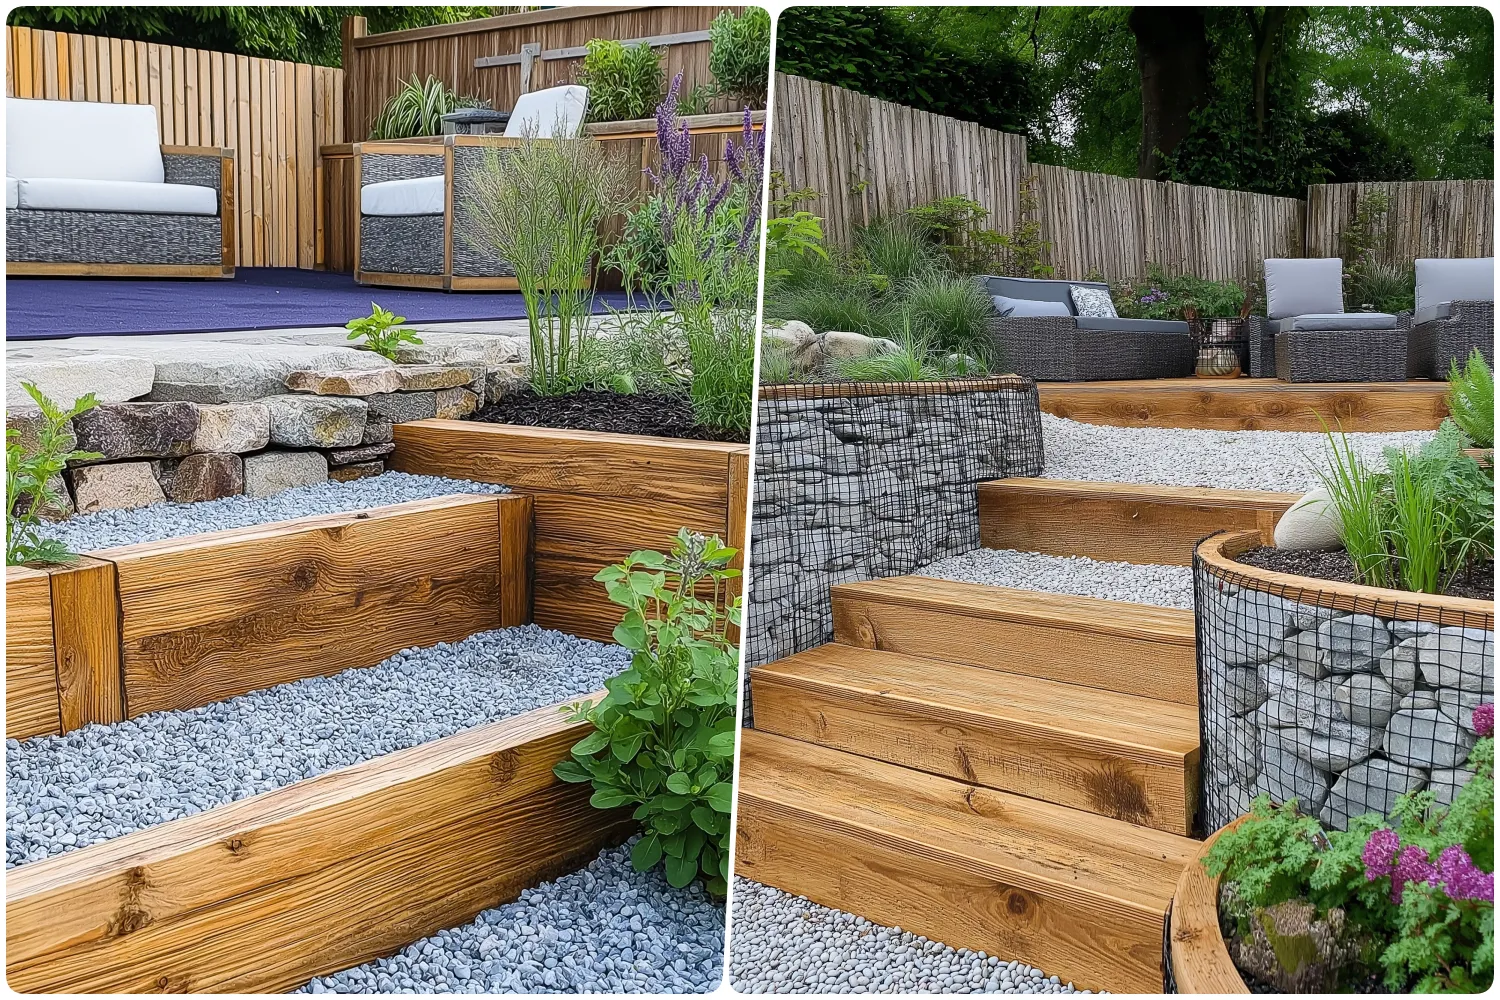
column 858, row 481
column 1342, row 702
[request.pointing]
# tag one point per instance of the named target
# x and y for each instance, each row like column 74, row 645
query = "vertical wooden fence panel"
column 1424, row 219
column 275, row 115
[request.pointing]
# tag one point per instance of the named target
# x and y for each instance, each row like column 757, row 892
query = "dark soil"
column 1477, row 581
column 596, row 410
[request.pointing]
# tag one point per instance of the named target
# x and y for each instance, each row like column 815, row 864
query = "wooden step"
column 1129, row 758
column 1135, row 649
column 1123, row 522
column 1078, row 895
column 1249, row 404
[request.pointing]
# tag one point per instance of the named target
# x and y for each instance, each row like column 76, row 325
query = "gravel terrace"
column 1248, row 460
column 605, row 929
column 107, row 528
column 1167, row 586
column 786, row 944
column 101, row 782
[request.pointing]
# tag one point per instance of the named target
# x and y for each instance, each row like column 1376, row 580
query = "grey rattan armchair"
column 1455, row 315
column 1315, row 340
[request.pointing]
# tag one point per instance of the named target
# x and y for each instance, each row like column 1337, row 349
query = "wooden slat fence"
column 1425, row 219
column 274, row 114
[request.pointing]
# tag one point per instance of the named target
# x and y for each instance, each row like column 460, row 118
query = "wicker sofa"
column 90, row 190
column 409, row 231
column 1315, row 340
column 1455, row 315
column 1067, row 347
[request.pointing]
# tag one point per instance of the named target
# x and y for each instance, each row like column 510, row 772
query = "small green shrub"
column 917, row 358
column 740, row 54
column 663, row 737
column 1471, row 400
column 625, row 82
column 893, row 252
column 382, row 332
column 1167, row 296
column 417, row 108
column 953, row 312
column 956, row 225
column 788, row 237
column 29, row 475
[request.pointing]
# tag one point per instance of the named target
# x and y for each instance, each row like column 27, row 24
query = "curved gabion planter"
column 1342, row 696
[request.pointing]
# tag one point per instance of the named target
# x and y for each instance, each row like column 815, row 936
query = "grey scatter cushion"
column 1092, row 302
column 1021, row 308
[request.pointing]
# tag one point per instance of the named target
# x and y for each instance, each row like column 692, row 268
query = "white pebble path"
column 780, row 943
column 1166, row 586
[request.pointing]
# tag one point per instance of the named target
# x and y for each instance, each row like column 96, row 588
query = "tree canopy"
column 1258, row 98
column 300, row 34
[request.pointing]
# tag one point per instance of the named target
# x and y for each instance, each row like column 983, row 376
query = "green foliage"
column 663, row 738
column 799, row 234
column 952, row 311
column 1382, row 287
column 382, row 332
column 740, row 54
column 539, row 206
column 625, row 82
column 881, row 52
column 915, row 359
column 1471, row 400
column 1169, row 296
column 1428, row 941
column 417, row 108
column 955, row 224
column 893, row 252
column 29, row 474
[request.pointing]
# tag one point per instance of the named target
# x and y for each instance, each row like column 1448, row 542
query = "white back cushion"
column 1468, row 279
column 556, row 112
column 82, row 140
column 1298, row 286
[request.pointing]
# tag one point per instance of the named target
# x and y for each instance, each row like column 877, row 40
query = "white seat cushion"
column 82, row 140
column 1336, row 321
column 556, row 112
column 1298, row 286
column 1467, row 279
column 413, row 196
column 12, row 192
column 71, row 195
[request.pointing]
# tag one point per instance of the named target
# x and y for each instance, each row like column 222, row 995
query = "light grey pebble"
column 571, row 935
column 780, row 943
column 166, row 765
column 107, row 528
column 1167, row 586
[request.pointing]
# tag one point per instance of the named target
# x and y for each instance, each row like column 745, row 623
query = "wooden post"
column 354, row 122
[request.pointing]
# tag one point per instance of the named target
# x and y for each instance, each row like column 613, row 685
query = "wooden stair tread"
column 1051, row 850
column 1191, row 495
column 1091, row 713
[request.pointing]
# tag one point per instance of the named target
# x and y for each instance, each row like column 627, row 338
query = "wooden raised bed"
column 262, row 894
column 598, row 497
column 189, row 621
column 1200, row 960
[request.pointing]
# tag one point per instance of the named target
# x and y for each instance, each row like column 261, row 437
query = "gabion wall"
column 1343, row 711
column 859, row 482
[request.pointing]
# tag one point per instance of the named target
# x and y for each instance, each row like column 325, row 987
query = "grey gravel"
column 1167, row 586
column 107, row 528
column 780, row 943
column 1247, row 460
column 100, row 782
column 605, row 929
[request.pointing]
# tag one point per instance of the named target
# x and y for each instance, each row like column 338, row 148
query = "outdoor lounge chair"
column 1039, row 334
column 1316, row 341
column 1455, row 314
column 90, row 190
column 412, row 193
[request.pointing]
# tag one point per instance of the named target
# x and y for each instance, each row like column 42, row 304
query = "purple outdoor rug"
column 256, row 298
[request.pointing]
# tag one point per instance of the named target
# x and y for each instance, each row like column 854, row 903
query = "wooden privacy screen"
column 189, row 621
column 1425, row 218
column 598, row 498
column 274, row 114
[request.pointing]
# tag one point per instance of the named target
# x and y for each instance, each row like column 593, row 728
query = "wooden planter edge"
column 1200, row 959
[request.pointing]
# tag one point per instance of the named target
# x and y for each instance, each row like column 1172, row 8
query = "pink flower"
column 1412, row 865
column 1484, row 719
column 1461, row 879
column 1379, row 854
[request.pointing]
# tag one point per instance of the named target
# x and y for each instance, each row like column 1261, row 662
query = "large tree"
column 1171, row 50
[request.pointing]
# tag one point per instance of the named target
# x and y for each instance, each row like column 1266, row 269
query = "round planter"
column 1195, row 944
column 1339, row 695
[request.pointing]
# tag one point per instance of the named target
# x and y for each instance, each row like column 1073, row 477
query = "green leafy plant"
column 625, row 82
column 30, row 474
column 953, row 312
column 417, row 108
column 382, row 332
column 799, row 234
column 1381, row 287
column 1356, row 493
column 740, row 54
column 1471, row 400
column 663, row 739
column 916, row 359
column 1169, row 296
column 539, row 206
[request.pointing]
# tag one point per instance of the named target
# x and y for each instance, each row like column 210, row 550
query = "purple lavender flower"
column 1484, row 719
column 1379, row 854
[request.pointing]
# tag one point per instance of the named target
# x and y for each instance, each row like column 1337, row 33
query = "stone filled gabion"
column 856, row 484
column 1344, row 712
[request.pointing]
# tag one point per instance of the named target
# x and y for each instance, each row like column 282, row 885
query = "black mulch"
column 1477, row 581
column 597, row 410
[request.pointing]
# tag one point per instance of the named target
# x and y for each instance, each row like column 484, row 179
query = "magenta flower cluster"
column 1455, row 872
column 1484, row 719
